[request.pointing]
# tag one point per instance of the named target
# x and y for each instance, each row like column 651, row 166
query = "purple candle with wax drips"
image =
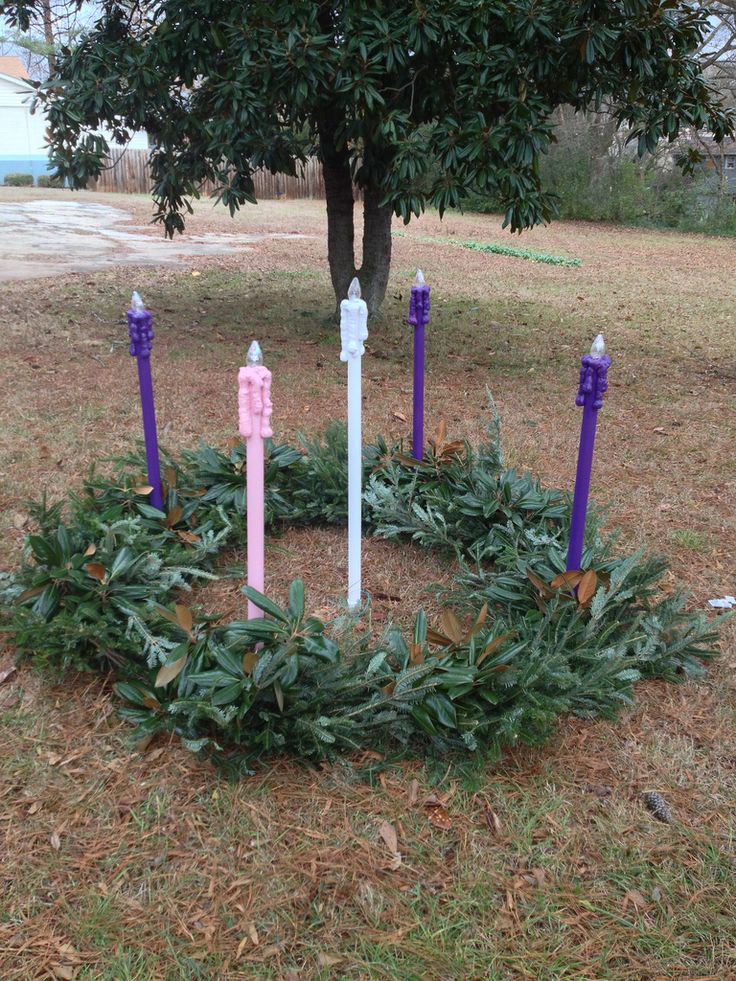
column 593, row 385
column 141, row 338
column 418, row 318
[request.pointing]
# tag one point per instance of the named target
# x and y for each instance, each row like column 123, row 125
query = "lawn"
column 122, row 865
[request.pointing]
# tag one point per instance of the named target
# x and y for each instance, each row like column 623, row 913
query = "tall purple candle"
column 593, row 385
column 418, row 318
column 141, row 337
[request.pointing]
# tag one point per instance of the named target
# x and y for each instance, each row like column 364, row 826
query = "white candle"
column 353, row 331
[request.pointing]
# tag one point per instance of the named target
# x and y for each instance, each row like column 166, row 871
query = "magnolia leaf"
column 494, row 645
column 189, row 537
column 90, row 550
column 30, row 593
column 184, row 618
column 388, row 833
column 279, row 693
column 143, row 489
column 407, row 461
column 451, row 450
column 571, row 579
column 435, row 637
column 250, row 659
column 587, row 587
column 170, row 671
column 152, row 703
column 170, row 476
column 96, row 570
column 479, row 623
column 416, row 654
column 451, row 626
column 441, row 434
column 174, row 516
column 165, row 613
column 539, row 584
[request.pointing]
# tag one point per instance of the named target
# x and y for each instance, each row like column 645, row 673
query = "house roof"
column 12, row 65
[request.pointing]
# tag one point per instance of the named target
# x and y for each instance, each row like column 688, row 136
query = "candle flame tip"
column 255, row 354
column 354, row 291
column 598, row 347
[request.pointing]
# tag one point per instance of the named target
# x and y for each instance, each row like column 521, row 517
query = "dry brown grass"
column 120, row 866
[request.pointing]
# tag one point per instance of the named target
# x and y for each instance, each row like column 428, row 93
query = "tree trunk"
column 48, row 33
column 373, row 274
column 340, row 229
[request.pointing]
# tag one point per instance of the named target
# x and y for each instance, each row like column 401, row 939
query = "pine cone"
column 656, row 803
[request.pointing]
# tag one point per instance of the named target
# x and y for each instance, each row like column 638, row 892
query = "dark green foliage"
column 101, row 587
column 430, row 101
column 18, row 180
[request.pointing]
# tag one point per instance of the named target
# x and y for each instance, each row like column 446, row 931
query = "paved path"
column 49, row 238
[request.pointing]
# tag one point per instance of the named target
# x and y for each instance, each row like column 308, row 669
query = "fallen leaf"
column 184, row 618
column 253, row 933
column 169, row 671
column 635, row 899
column 144, row 489
column 400, row 416
column 7, row 673
column 96, row 570
column 55, row 841
column 388, row 833
column 35, row 807
column 64, row 972
column 587, row 587
column 90, row 550
column 413, row 792
column 493, row 820
column 328, row 960
column 440, row 818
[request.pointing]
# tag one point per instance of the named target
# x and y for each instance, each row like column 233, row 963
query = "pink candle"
column 254, row 404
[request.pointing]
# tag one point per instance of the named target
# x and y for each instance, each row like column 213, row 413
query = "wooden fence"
column 127, row 173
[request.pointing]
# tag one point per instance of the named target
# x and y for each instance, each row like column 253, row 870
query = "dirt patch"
column 42, row 238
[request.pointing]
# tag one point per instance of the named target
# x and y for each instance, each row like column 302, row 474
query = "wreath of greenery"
column 520, row 641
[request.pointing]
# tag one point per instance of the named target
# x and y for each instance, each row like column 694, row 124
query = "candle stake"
column 353, row 331
column 254, row 409
column 141, row 339
column 418, row 318
column 593, row 385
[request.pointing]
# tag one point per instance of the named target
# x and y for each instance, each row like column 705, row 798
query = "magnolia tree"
column 417, row 102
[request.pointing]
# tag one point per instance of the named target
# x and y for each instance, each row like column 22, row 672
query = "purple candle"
column 418, row 318
column 593, row 384
column 141, row 337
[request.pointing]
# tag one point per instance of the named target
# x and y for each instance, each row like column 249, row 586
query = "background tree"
column 416, row 101
column 56, row 24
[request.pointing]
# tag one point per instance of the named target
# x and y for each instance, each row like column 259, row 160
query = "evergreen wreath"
column 520, row 641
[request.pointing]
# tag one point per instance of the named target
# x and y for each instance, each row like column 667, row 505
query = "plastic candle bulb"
column 354, row 291
column 136, row 302
column 598, row 347
column 419, row 279
column 255, row 355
